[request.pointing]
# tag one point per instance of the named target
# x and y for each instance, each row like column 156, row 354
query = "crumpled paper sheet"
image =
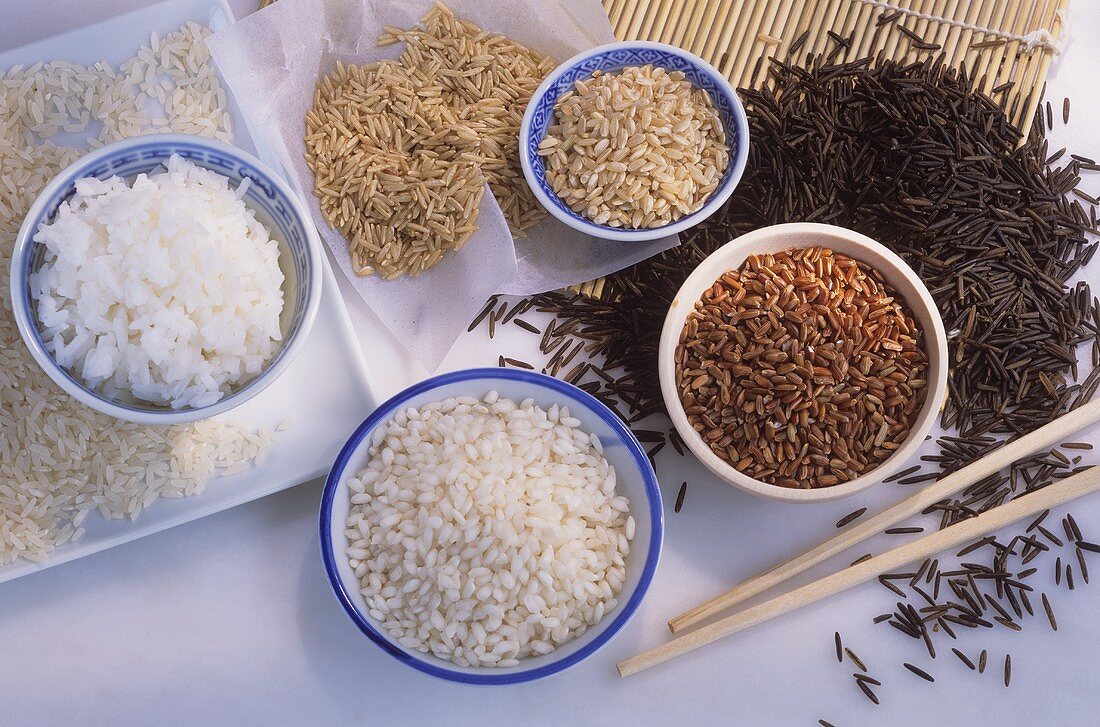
column 273, row 59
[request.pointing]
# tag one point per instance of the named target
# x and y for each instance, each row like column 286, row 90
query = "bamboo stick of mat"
column 990, row 521
column 1042, row 438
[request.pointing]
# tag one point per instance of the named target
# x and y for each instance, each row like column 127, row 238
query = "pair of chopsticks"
column 998, row 517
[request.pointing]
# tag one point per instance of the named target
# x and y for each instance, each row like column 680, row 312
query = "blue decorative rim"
column 621, row 617
column 143, row 154
column 609, row 59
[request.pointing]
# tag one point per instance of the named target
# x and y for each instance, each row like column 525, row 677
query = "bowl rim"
column 935, row 343
column 737, row 162
column 28, row 329
column 488, row 676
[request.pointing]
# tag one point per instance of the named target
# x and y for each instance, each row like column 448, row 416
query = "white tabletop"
column 231, row 618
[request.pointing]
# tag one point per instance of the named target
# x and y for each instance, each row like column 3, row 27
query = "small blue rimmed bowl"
column 276, row 206
column 610, row 58
column 634, row 477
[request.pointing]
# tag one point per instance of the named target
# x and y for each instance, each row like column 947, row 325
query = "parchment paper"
column 273, row 59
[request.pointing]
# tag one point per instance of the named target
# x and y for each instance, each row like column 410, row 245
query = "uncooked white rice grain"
column 59, row 460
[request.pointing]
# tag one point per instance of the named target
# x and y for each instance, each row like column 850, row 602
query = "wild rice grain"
column 1050, row 613
column 964, row 659
column 526, row 326
column 1076, row 530
column 903, row 473
column 855, row 659
column 850, row 517
column 867, row 691
column 919, row 672
column 489, row 306
column 680, row 496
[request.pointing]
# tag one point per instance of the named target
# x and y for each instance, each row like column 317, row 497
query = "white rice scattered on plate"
column 58, row 460
column 485, row 531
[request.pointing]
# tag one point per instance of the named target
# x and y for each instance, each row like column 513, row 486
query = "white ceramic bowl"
column 610, row 58
column 276, row 205
column 786, row 237
column 634, row 478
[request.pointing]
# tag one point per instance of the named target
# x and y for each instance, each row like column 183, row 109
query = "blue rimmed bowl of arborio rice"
column 491, row 526
column 165, row 278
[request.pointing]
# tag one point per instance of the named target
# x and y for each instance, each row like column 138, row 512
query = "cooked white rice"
column 58, row 460
column 484, row 531
column 166, row 289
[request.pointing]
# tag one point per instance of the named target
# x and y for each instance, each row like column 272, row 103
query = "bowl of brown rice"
column 803, row 362
column 633, row 141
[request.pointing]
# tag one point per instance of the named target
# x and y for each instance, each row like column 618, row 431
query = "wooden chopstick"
column 1042, row 438
column 1050, row 496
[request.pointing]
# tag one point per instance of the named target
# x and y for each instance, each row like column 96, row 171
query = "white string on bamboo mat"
column 1041, row 38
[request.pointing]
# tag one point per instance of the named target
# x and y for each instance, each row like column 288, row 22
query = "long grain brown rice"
column 401, row 149
column 385, row 170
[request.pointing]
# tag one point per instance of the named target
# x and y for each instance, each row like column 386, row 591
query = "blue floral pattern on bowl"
column 271, row 201
column 610, row 59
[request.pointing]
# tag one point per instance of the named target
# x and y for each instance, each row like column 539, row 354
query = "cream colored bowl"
column 786, row 237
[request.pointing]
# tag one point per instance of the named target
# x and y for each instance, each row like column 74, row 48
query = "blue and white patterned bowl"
column 634, row 477
column 539, row 117
column 269, row 196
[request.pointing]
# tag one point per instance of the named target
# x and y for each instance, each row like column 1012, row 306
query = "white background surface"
column 230, row 619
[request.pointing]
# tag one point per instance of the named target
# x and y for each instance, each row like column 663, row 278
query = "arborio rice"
column 59, row 460
column 484, row 531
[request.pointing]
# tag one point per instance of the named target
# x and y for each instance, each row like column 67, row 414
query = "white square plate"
column 327, row 390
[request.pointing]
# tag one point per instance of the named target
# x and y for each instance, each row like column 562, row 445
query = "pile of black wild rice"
column 910, row 155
